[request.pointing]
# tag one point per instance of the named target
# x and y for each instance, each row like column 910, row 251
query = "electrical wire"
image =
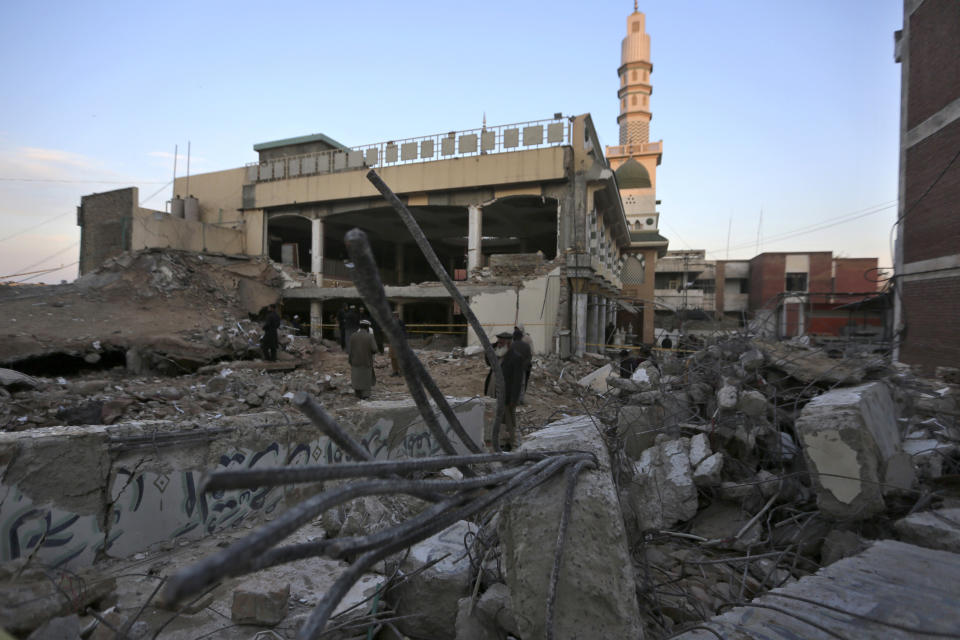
column 39, row 224
column 10, row 179
column 52, row 255
column 48, row 271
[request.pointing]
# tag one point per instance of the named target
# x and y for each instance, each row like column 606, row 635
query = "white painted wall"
column 534, row 305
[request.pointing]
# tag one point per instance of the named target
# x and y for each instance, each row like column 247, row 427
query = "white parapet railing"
column 441, row 146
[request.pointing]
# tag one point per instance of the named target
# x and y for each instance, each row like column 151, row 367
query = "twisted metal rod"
column 319, row 416
column 444, row 277
column 248, row 478
column 366, row 277
column 524, row 481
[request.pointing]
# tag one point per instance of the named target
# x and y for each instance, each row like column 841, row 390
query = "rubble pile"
column 160, row 311
column 750, row 464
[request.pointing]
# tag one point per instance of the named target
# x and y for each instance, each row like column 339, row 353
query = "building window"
column 635, row 27
column 650, row 222
column 633, row 75
column 633, row 100
column 796, row 282
column 744, row 285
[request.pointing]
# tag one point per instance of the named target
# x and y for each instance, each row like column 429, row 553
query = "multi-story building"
column 927, row 254
column 527, row 217
column 785, row 294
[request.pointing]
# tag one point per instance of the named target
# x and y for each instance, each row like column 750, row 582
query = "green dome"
column 633, row 175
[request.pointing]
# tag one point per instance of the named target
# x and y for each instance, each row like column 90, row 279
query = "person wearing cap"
column 512, row 365
column 360, row 352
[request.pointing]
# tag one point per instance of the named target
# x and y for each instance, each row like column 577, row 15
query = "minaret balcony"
column 635, row 149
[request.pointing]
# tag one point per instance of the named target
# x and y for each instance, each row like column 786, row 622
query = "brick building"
column 927, row 256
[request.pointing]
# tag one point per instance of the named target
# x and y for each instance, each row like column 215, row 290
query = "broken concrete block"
column 662, row 489
column 597, row 381
column 471, row 625
column 707, row 473
column 847, row 436
column 899, row 475
column 66, row 628
column 840, row 544
column 472, row 350
column 16, row 380
column 647, row 377
column 937, row 529
column 727, row 396
column 751, row 360
column 260, row 603
column 699, row 449
column 596, row 593
column 431, row 597
column 753, row 403
column 496, row 606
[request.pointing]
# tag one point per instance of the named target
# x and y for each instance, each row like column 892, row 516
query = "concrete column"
column 578, row 329
column 592, row 324
column 316, row 251
column 316, row 320
column 474, row 238
column 399, row 255
column 604, row 320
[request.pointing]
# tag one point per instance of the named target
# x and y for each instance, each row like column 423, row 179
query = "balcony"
column 635, row 149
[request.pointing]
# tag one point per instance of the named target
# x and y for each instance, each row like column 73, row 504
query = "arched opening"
column 288, row 240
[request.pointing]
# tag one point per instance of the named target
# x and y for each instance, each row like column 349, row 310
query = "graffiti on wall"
column 149, row 507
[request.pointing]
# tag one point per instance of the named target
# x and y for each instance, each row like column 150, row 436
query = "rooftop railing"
column 441, row 146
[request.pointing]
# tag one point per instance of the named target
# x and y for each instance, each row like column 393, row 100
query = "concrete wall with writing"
column 71, row 495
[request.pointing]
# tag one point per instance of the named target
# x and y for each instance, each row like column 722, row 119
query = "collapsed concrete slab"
column 597, row 381
column 596, row 594
column 847, row 436
column 889, row 583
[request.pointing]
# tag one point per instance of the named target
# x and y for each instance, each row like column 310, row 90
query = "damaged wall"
column 533, row 301
column 105, row 221
column 70, row 494
column 156, row 229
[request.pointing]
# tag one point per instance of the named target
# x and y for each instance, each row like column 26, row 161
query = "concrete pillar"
column 474, row 238
column 592, row 322
column 316, row 320
column 316, row 251
column 578, row 323
column 604, row 321
column 399, row 254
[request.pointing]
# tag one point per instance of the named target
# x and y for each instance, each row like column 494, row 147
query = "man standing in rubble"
column 361, row 350
column 523, row 345
column 351, row 322
column 512, row 365
column 269, row 342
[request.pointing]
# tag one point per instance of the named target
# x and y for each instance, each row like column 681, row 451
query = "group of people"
column 359, row 338
column 514, row 354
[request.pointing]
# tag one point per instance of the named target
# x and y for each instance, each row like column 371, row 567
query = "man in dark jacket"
column 525, row 351
column 512, row 364
column 270, row 340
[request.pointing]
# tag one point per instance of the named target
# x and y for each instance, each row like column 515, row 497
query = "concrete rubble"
column 724, row 475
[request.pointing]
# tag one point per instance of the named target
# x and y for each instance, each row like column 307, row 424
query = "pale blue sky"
column 788, row 107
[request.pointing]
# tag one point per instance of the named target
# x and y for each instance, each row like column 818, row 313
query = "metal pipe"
column 319, row 416
column 444, row 277
column 248, row 478
column 366, row 277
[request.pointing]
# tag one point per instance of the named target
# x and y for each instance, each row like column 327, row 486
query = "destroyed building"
column 159, row 480
column 527, row 218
